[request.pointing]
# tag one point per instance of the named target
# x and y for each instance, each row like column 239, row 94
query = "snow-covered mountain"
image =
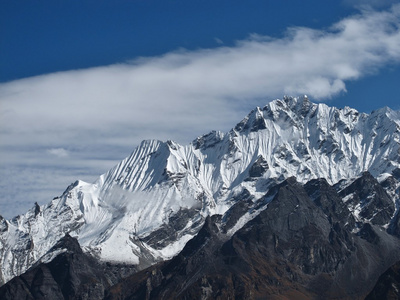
column 152, row 203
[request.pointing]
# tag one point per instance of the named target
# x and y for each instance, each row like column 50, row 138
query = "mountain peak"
column 150, row 204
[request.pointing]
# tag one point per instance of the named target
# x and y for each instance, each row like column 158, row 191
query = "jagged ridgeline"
column 298, row 200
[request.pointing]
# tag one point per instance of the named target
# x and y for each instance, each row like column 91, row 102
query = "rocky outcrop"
column 72, row 274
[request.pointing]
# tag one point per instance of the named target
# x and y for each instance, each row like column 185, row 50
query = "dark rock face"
column 392, row 185
column 394, row 227
column 70, row 275
column 3, row 224
column 388, row 285
column 235, row 212
column 209, row 140
column 253, row 122
column 375, row 204
column 259, row 167
column 37, row 209
column 327, row 199
column 295, row 220
column 168, row 232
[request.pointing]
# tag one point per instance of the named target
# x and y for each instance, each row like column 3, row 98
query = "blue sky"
column 82, row 82
column 46, row 36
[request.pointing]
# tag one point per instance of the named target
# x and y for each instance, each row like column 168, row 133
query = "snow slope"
column 149, row 205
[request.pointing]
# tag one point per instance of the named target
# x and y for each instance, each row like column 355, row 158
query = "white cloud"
column 58, row 152
column 104, row 112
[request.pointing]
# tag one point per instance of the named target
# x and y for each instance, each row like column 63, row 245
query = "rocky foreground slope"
column 298, row 193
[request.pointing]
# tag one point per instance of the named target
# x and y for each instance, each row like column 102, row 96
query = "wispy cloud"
column 218, row 41
column 102, row 113
column 58, row 152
